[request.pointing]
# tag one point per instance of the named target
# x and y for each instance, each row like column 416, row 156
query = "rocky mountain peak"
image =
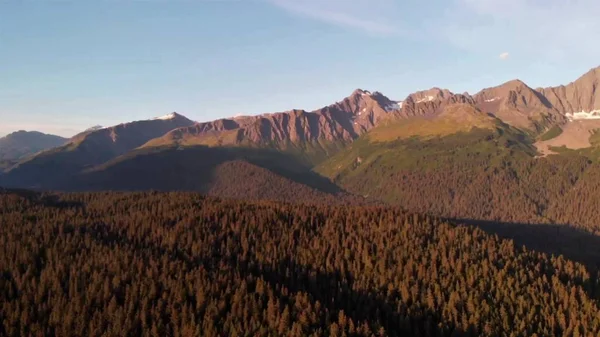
column 360, row 92
column 432, row 101
column 515, row 84
column 22, row 143
column 580, row 96
column 173, row 116
column 518, row 104
column 430, row 95
column 503, row 91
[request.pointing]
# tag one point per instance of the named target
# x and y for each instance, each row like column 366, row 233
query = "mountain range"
column 436, row 151
column 20, row 144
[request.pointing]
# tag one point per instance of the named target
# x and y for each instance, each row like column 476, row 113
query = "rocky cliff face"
column 582, row 95
column 339, row 122
column 431, row 102
column 125, row 137
column 519, row 105
column 514, row 102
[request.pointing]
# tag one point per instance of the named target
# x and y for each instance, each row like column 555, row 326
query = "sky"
column 68, row 65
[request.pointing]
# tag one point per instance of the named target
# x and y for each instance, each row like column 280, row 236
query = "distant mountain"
column 24, row 143
column 321, row 133
column 519, row 105
column 51, row 168
column 365, row 143
column 316, row 134
column 429, row 102
column 579, row 99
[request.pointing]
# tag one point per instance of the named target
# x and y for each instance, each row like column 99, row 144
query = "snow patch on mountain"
column 426, row 99
column 167, row 117
column 594, row 114
column 394, row 106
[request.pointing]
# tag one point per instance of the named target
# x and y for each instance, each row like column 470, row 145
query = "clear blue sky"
column 69, row 65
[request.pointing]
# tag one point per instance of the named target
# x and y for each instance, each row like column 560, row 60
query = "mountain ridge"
column 342, row 121
column 315, row 136
column 19, row 144
column 514, row 102
column 54, row 166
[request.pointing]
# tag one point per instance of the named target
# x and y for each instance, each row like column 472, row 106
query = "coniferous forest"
column 180, row 264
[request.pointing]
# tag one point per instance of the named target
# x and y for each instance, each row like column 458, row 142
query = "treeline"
column 176, row 264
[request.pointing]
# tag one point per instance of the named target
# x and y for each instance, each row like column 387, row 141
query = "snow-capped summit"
column 172, row 115
column 594, row 114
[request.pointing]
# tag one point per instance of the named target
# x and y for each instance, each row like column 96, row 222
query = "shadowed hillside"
column 20, row 144
column 224, row 172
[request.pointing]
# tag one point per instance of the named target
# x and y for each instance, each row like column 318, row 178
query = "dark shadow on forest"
column 56, row 201
column 23, row 193
column 554, row 239
column 47, row 200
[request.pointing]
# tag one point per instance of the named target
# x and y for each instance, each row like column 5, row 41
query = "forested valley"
column 180, row 264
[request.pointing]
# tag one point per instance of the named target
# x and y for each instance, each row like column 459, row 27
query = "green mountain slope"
column 479, row 174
